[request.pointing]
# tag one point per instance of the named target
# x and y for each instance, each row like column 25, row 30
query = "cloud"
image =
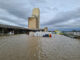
column 7, row 18
column 15, row 7
column 65, row 19
column 54, row 14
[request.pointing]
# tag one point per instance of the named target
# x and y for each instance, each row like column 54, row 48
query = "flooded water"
column 24, row 47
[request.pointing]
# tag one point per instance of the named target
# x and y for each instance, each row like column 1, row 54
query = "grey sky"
column 53, row 13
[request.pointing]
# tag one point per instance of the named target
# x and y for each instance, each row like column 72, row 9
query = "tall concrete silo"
column 36, row 13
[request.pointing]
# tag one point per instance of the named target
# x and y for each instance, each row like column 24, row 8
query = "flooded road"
column 24, row 47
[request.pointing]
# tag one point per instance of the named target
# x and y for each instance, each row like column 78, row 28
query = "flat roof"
column 10, row 26
column 16, row 27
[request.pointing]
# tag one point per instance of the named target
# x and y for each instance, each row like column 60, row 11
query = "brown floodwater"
column 24, row 47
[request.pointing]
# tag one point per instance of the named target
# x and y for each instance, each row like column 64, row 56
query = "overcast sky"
column 55, row 14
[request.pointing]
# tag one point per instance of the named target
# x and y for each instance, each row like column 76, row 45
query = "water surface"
column 24, row 47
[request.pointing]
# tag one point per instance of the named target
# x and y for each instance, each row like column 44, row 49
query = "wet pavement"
column 24, row 47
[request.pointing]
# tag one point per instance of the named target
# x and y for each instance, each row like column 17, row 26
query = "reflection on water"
column 24, row 47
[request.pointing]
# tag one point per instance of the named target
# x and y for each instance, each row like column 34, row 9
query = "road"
column 24, row 47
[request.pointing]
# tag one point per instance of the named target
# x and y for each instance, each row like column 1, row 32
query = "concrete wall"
column 46, row 29
column 32, row 23
column 36, row 13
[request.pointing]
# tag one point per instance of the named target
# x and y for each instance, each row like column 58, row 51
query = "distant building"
column 77, row 33
column 57, row 32
column 46, row 29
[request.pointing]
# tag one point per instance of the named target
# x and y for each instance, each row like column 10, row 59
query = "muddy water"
column 24, row 47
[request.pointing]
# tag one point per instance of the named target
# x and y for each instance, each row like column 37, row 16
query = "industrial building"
column 9, row 29
column 34, row 20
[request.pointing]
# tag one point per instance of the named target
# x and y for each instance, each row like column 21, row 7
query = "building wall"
column 32, row 23
column 36, row 13
column 46, row 29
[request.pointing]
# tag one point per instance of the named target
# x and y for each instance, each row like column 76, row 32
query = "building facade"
column 46, row 29
column 34, row 20
column 36, row 13
column 32, row 23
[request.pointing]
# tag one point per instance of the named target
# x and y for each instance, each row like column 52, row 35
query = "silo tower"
column 36, row 13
